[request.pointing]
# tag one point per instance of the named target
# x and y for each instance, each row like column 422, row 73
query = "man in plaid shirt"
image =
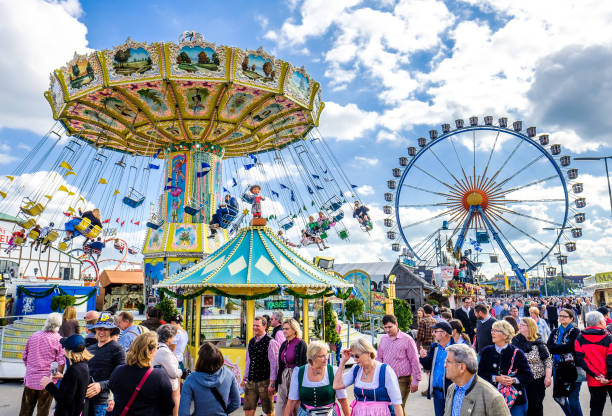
column 424, row 331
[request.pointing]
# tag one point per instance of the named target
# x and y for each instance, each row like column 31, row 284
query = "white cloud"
column 347, row 122
column 370, row 161
column 39, row 36
column 365, row 190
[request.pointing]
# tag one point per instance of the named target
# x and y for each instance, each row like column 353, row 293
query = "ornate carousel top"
column 255, row 258
column 140, row 97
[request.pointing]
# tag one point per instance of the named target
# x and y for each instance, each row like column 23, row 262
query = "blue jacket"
column 197, row 389
column 428, row 363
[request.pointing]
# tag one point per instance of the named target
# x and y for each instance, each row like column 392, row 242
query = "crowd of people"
column 497, row 357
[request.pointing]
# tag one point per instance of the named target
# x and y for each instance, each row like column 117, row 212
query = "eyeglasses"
column 323, row 356
column 495, row 330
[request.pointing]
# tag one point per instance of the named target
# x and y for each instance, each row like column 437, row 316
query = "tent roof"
column 254, row 258
column 121, row 277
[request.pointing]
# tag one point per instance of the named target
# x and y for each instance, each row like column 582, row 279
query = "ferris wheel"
column 493, row 188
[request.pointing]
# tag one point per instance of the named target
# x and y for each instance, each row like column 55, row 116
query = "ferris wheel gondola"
column 484, row 180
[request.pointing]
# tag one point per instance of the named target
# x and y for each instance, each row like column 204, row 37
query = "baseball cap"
column 443, row 325
column 74, row 343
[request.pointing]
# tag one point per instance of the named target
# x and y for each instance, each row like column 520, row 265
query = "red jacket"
column 594, row 354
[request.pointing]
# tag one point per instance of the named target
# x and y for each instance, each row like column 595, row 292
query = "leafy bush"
column 353, row 308
column 331, row 336
column 403, row 314
column 167, row 308
column 61, row 302
column 432, row 302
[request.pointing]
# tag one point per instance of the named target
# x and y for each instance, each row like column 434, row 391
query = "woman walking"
column 530, row 342
column 212, row 388
column 505, row 366
column 70, row 325
column 139, row 388
column 377, row 391
column 70, row 396
column 292, row 354
column 312, row 385
column 168, row 361
column 459, row 335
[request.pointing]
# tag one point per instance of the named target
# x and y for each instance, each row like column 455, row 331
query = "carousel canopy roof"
column 254, row 258
column 140, row 97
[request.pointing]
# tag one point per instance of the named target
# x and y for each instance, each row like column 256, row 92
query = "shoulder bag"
column 217, row 395
column 131, row 401
column 510, row 393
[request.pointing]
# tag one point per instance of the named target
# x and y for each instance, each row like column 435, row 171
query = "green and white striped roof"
column 254, row 258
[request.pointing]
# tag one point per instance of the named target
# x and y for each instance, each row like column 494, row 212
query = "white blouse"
column 294, row 393
column 391, row 382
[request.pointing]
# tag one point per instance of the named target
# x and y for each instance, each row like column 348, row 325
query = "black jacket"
column 483, row 334
column 551, row 311
column 494, row 364
column 300, row 352
column 468, row 322
column 105, row 359
column 70, row 396
column 567, row 346
column 155, row 397
column 565, row 365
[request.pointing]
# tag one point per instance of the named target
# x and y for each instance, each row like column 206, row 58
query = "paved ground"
column 10, row 399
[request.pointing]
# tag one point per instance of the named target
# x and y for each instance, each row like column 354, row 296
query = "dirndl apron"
column 372, row 402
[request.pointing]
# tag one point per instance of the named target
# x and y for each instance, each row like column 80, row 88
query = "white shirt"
column 391, row 382
column 294, row 393
column 180, row 340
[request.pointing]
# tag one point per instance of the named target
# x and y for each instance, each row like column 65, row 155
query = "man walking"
column 587, row 307
column 424, row 331
column 467, row 317
column 260, row 369
column 42, row 349
column 469, row 394
column 594, row 355
column 434, row 361
column 399, row 351
column 484, row 326
column 276, row 322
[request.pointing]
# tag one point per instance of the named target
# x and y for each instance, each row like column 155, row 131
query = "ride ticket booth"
column 252, row 266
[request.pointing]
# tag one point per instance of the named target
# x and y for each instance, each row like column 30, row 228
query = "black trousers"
column 598, row 399
column 535, row 396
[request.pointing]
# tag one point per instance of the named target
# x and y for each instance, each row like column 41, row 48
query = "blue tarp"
column 27, row 305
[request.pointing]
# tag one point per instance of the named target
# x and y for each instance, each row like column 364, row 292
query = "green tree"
column 403, row 314
column 89, row 70
column 203, row 58
column 61, row 302
column 122, row 56
column 183, row 58
column 331, row 335
column 215, row 58
column 75, row 70
column 353, row 308
column 167, row 308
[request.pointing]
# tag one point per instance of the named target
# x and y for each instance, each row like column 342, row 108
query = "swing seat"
column 83, row 225
column 33, row 235
column 287, row 226
column 93, row 232
column 323, row 235
column 227, row 220
column 343, row 234
column 154, row 225
column 339, row 217
column 18, row 241
column 33, row 209
column 133, row 202
column 29, row 224
column 63, row 246
column 52, row 236
column 191, row 210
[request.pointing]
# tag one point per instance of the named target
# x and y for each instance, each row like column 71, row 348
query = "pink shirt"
column 401, row 354
column 273, row 348
column 40, row 351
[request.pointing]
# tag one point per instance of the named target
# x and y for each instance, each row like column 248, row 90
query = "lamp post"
column 545, row 277
column 605, row 159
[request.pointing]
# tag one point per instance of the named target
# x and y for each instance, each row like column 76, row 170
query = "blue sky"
column 390, row 71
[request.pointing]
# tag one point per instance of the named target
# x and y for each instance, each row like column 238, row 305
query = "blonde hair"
column 69, row 313
column 363, row 347
column 534, row 310
column 293, row 324
column 77, row 357
column 505, row 328
column 314, row 349
column 141, row 350
column 533, row 328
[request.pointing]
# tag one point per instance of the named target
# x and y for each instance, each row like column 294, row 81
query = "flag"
column 315, row 176
column 10, row 177
column 249, row 166
column 137, row 223
column 312, row 203
column 234, row 183
column 320, row 188
column 122, row 222
column 153, row 166
column 71, row 210
column 274, row 193
column 169, row 179
column 116, row 192
column 65, row 165
column 283, row 186
column 157, row 154
column 117, row 220
column 81, row 199
column 252, row 156
column 225, row 190
column 205, row 167
column 354, row 186
column 506, row 284
column 310, row 191
column 292, row 196
column 201, row 174
column 106, row 221
column 63, row 189
column 48, row 197
column 3, row 194
column 526, row 281
column 69, row 173
column 102, row 181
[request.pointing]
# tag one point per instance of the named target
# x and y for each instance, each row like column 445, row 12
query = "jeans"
column 439, row 401
column 535, row 396
column 572, row 405
column 520, row 410
column 599, row 395
column 100, row 409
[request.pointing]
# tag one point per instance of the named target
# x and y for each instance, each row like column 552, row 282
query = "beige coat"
column 481, row 399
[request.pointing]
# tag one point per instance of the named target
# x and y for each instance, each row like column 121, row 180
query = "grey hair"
column 54, row 321
column 165, row 332
column 278, row 315
column 466, row 355
column 593, row 318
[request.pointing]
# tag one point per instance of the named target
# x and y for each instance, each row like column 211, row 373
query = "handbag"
column 510, row 393
column 142, row 381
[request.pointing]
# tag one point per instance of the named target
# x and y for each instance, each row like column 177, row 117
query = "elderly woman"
column 155, row 395
column 212, row 388
column 542, row 325
column 376, row 387
column 503, row 364
column 311, row 385
column 529, row 341
column 292, row 354
column 166, row 359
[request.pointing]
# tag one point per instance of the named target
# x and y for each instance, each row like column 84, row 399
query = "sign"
column 5, row 234
column 378, row 303
column 603, row 277
column 276, row 304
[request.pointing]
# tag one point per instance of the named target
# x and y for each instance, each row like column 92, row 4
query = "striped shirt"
column 400, row 353
column 40, row 351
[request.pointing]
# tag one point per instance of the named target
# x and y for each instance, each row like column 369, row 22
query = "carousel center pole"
column 306, row 321
column 250, row 317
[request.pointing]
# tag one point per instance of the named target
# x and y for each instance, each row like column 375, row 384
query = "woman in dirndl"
column 311, row 390
column 376, row 387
